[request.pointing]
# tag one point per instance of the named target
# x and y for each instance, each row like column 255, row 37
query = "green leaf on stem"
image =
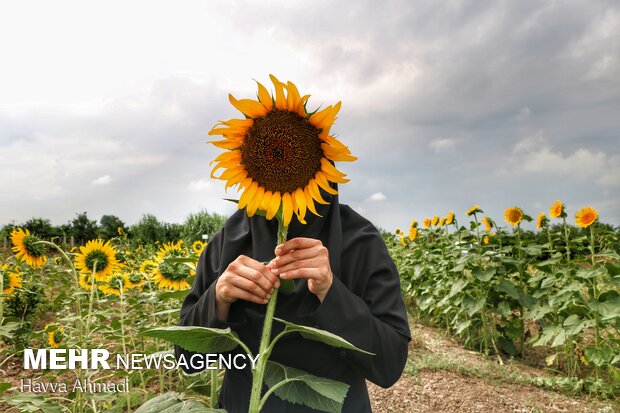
column 323, row 336
column 197, row 339
column 297, row 386
column 172, row 402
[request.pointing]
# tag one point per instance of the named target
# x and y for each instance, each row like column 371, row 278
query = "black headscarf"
column 363, row 305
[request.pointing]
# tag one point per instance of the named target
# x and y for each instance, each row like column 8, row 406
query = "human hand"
column 244, row 279
column 304, row 258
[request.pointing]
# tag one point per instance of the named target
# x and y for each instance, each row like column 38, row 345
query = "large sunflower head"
column 27, row 248
column 172, row 271
column 586, row 216
column 116, row 283
column 556, row 210
column 280, row 154
column 11, row 278
column 513, row 216
column 97, row 257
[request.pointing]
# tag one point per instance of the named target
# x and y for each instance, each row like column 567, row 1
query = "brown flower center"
column 282, row 151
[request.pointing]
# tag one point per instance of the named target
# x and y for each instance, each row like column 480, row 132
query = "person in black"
column 345, row 283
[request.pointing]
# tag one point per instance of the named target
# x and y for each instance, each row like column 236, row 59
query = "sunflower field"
column 552, row 294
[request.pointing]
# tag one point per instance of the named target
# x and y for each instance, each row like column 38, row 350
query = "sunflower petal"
column 248, row 195
column 253, row 205
column 321, row 180
column 280, row 99
column 310, row 201
column 315, row 192
column 274, row 205
column 300, row 201
column 264, row 202
column 264, row 96
column 328, row 168
column 250, row 108
column 287, row 208
column 292, row 98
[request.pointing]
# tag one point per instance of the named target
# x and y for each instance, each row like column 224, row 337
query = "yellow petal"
column 301, row 110
column 330, row 169
column 293, row 98
column 236, row 179
column 321, row 180
column 227, row 143
column 274, row 205
column 255, row 202
column 264, row 96
column 264, row 203
column 309, row 200
column 250, row 108
column 280, row 99
column 300, row 201
column 315, row 192
column 336, row 155
column 248, row 195
column 326, row 117
column 287, row 208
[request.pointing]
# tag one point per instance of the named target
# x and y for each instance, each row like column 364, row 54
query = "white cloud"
column 376, row 197
column 200, row 185
column 442, row 144
column 102, row 180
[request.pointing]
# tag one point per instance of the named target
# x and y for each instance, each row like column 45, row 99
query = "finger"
column 296, row 244
column 260, row 267
column 306, row 273
column 250, row 287
column 257, row 277
column 241, row 294
column 296, row 255
column 314, row 262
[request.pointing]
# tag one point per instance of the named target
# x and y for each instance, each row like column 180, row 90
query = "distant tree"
column 172, row 232
column 6, row 230
column 42, row 227
column 201, row 223
column 83, row 229
column 148, row 230
column 109, row 225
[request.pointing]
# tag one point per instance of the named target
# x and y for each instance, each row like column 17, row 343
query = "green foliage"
column 42, row 228
column 83, row 229
column 173, row 402
column 199, row 224
column 109, row 225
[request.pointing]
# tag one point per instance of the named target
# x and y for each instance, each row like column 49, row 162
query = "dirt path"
column 441, row 376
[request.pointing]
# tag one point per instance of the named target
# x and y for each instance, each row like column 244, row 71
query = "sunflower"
column 435, row 220
column 513, row 216
column 12, row 279
column 403, row 241
column 85, row 281
column 413, row 234
column 487, row 223
column 135, row 280
column 414, row 224
column 442, row 222
column 281, row 154
column 541, row 221
column 398, row 231
column 474, row 210
column 55, row 335
column 427, row 222
column 97, row 257
column 148, row 267
column 450, row 218
column 486, row 240
column 26, row 248
column 586, row 216
column 171, row 273
column 198, row 246
column 556, row 210
column 116, row 283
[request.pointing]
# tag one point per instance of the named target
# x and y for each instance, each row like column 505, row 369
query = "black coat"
column 364, row 306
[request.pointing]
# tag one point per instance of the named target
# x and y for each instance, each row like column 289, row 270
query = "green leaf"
column 6, row 329
column 172, row 402
column 503, row 309
column 197, row 339
column 286, row 286
column 599, row 356
column 299, row 387
column 483, row 275
column 4, row 386
column 457, row 287
column 168, row 295
column 548, row 333
column 538, row 311
column 573, row 325
column 30, row 402
column 323, row 336
column 460, row 327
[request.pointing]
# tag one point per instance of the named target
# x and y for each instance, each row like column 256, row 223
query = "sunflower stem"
column 566, row 237
column 91, row 299
column 263, row 353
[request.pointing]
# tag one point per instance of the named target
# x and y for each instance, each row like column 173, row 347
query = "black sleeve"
column 198, row 308
column 375, row 320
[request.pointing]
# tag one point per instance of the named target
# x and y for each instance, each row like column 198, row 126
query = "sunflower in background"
column 26, row 248
column 541, row 221
column 474, row 210
column 97, row 257
column 55, row 335
column 134, row 280
column 426, row 223
column 557, row 210
column 488, row 224
column 513, row 216
column 116, row 283
column 434, row 220
column 85, row 281
column 450, row 218
column 413, row 234
column 12, row 279
column 586, row 216
column 198, row 246
column 280, row 154
column 171, row 273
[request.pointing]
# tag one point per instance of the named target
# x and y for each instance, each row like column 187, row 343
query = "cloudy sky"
column 105, row 107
